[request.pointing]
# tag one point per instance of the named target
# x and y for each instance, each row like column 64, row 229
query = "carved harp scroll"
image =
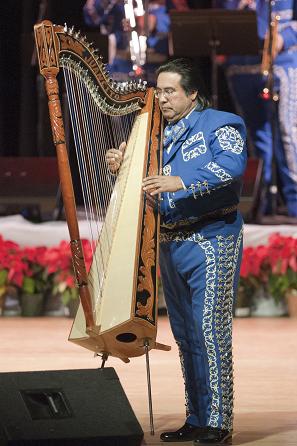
column 118, row 308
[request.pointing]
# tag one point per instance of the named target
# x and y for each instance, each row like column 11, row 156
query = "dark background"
column 24, row 123
column 24, row 126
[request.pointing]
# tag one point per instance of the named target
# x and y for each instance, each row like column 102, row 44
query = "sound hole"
column 126, row 337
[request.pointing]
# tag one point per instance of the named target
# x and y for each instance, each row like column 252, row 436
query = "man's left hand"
column 161, row 183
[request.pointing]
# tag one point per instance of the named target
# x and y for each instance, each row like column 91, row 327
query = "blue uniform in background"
column 246, row 84
column 200, row 254
column 157, row 41
column 108, row 16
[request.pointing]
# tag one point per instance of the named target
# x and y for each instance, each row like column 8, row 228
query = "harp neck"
column 59, row 46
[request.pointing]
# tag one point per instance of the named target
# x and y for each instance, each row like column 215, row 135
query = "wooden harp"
column 118, row 297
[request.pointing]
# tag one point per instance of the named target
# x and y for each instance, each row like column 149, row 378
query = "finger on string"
column 149, row 187
column 156, row 191
column 123, row 146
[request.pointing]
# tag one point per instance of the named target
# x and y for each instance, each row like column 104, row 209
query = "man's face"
column 173, row 100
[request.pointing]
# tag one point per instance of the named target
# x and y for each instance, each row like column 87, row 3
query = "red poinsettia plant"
column 35, row 280
column 22, row 267
column 272, row 266
column 40, row 268
column 59, row 267
column 12, row 267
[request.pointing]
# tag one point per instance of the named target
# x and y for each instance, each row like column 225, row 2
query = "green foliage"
column 69, row 294
column 278, row 284
column 3, row 277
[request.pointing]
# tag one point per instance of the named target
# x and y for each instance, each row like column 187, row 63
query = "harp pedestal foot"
column 164, row 347
column 104, row 358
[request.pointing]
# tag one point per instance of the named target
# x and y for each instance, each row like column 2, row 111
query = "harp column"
column 49, row 68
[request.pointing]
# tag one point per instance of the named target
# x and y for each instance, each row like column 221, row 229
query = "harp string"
column 94, row 133
column 91, row 165
column 100, row 259
column 97, row 187
column 76, row 114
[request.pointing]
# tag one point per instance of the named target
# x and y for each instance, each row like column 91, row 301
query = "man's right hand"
column 114, row 157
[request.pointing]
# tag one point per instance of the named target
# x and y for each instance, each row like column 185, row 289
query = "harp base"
column 124, row 341
column 164, row 347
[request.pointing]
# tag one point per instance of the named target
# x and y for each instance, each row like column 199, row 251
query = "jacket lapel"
column 192, row 119
column 168, row 156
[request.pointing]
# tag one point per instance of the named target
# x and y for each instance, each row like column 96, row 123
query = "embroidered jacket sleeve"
column 227, row 146
column 289, row 34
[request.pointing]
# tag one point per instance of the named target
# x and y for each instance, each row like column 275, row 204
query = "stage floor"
column 265, row 355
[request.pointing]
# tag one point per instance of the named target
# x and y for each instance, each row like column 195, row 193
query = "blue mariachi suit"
column 200, row 254
column 157, row 42
column 111, row 19
column 246, row 83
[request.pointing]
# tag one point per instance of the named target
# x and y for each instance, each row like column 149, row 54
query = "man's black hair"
column 191, row 78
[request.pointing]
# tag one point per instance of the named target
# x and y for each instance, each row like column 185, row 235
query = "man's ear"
column 194, row 95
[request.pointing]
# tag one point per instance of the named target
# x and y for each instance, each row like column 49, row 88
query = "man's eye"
column 166, row 92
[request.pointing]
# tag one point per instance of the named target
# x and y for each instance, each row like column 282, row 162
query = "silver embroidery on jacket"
column 167, row 170
column 218, row 171
column 230, row 139
column 193, row 152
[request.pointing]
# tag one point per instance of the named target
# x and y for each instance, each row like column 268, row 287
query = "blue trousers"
column 200, row 272
column 245, row 88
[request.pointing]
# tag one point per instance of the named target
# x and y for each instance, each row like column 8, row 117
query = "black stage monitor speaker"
column 66, row 408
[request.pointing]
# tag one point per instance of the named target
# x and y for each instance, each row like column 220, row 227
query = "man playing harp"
column 200, row 243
